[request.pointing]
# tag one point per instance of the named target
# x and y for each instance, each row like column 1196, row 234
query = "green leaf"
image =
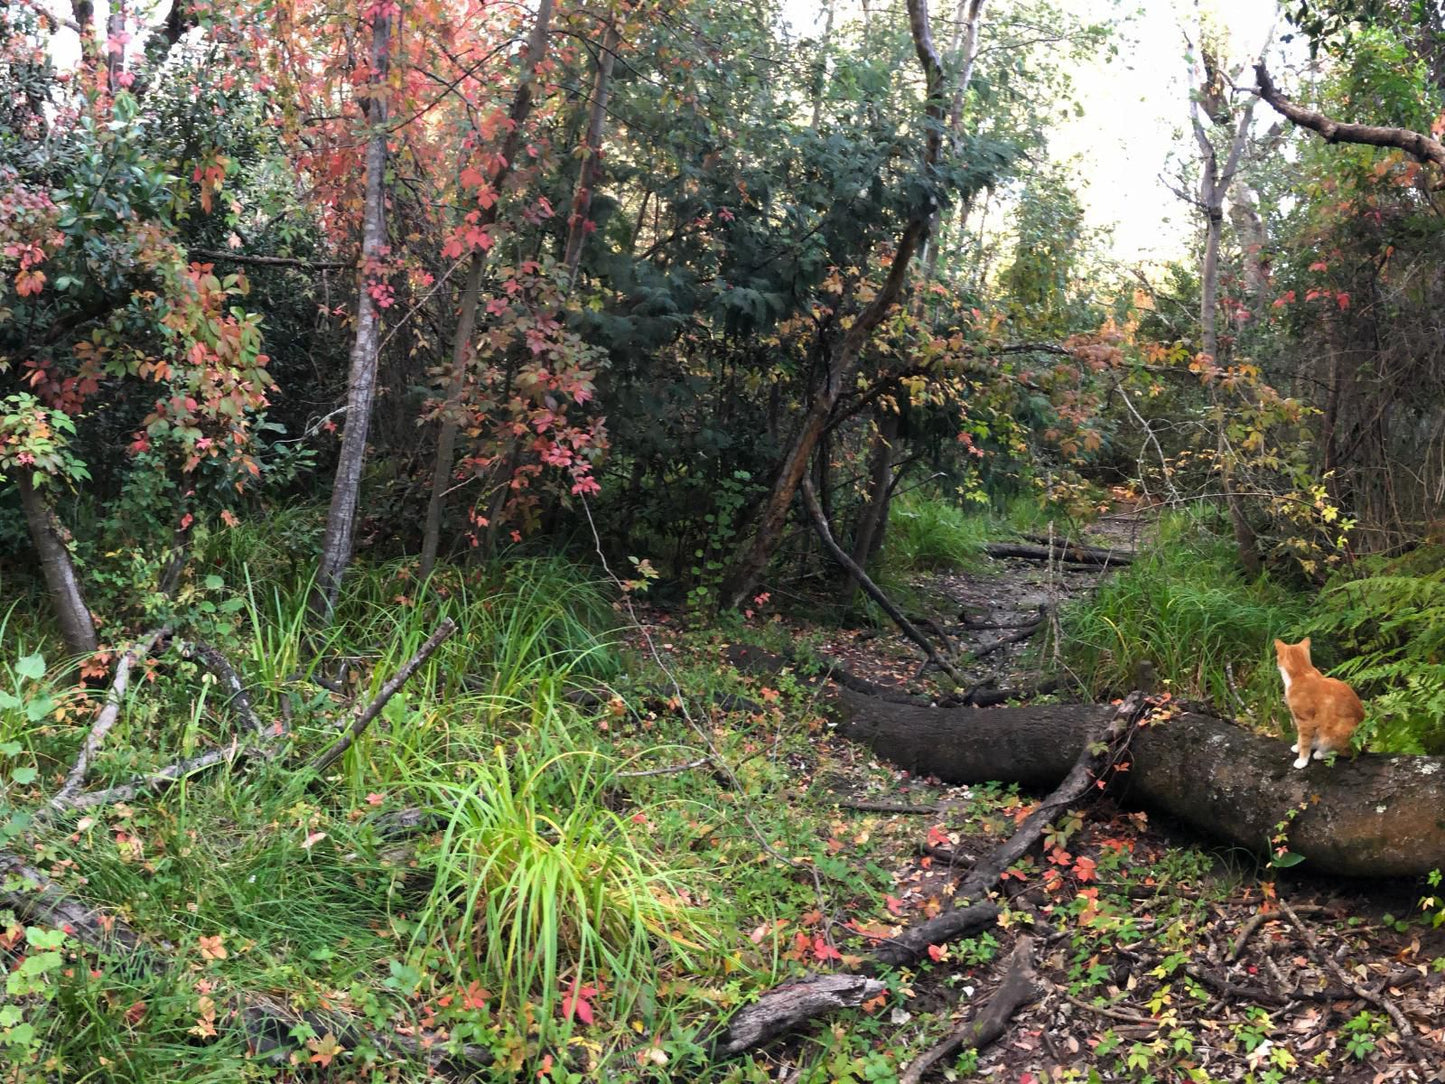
column 31, row 666
column 24, row 776
column 1287, row 859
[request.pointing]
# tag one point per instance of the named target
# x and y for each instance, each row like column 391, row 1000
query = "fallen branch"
column 890, row 807
column 1259, row 919
column 1384, row 1004
column 363, row 716
column 671, row 769
column 912, row 944
column 788, row 1006
column 239, row 700
column 39, row 901
column 1019, row 987
column 1017, row 636
column 157, row 780
column 820, row 524
column 1060, row 551
column 107, row 718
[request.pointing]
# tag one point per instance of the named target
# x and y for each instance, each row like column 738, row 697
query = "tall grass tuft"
column 1186, row 608
column 542, row 891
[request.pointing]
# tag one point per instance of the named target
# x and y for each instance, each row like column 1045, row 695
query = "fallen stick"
column 157, row 780
column 890, row 807
column 1384, row 1004
column 363, row 716
column 239, row 700
column 1014, row 637
column 1074, row 555
column 911, row 945
column 1259, row 919
column 107, row 718
column 38, row 900
column 1019, row 987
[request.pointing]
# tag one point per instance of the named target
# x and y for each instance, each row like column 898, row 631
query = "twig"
column 107, row 718
column 364, row 715
column 270, row 261
column 1259, row 919
column 1384, row 1004
column 673, row 769
column 1019, row 987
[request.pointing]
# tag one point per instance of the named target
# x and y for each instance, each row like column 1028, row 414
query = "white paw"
column 1320, row 754
column 1301, row 762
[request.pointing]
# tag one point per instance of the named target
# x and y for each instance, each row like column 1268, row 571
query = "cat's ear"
column 1280, row 645
column 1305, row 643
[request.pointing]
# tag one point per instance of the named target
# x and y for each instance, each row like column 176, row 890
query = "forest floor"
column 1160, row 957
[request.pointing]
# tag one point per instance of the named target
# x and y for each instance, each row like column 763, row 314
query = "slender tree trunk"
column 1214, row 183
column 1244, row 216
column 880, row 475
column 365, row 348
column 587, row 175
column 820, row 81
column 968, row 21
column 843, row 366
column 71, row 613
column 471, row 293
column 114, row 60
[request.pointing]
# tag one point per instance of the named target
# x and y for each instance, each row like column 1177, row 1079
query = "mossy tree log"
column 1368, row 816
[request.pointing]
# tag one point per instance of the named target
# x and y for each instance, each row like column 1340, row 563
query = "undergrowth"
column 1185, row 607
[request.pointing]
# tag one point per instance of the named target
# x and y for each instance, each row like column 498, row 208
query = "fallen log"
column 786, row 1007
column 1060, row 551
column 1370, row 816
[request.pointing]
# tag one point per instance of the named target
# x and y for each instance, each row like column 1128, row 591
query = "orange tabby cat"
column 1325, row 710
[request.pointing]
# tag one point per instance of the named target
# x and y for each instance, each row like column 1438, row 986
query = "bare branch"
column 364, row 715
column 1413, row 143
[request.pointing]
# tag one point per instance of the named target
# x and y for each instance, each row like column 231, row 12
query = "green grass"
column 1185, row 606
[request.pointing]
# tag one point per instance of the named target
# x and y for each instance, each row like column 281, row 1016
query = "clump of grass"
column 931, row 533
column 1185, row 607
column 544, row 891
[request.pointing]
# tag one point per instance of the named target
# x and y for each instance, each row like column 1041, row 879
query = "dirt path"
column 1000, row 619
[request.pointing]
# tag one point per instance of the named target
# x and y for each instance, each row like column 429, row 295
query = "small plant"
column 1361, row 1030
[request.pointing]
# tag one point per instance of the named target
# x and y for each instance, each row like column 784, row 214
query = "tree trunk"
column 77, row 629
column 880, row 475
column 1244, row 215
column 1214, row 183
column 587, row 175
column 968, row 19
column 471, row 293
column 1376, row 816
column 742, row 580
column 361, row 378
column 821, row 79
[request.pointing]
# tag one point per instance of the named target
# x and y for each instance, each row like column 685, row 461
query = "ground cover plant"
column 660, row 540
